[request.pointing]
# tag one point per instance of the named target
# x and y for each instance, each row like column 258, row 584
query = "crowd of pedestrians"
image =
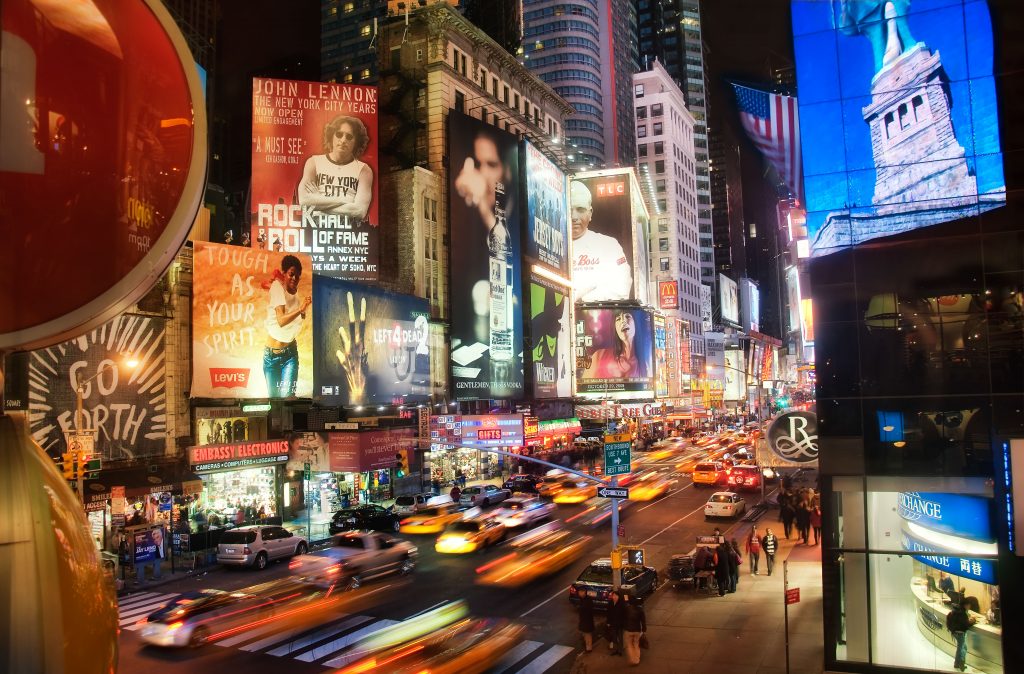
column 801, row 507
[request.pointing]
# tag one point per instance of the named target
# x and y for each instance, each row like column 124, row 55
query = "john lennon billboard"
column 901, row 106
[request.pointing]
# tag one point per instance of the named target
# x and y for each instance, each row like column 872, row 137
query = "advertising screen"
column 609, row 232
column 369, row 345
column 252, row 332
column 486, row 281
column 793, row 295
column 706, row 308
column 547, row 212
column 750, row 304
column 551, row 335
column 729, row 299
column 661, row 371
column 903, row 116
column 314, row 174
column 683, row 355
column 735, row 375
column 126, row 405
column 493, row 430
column 614, row 352
column 668, row 294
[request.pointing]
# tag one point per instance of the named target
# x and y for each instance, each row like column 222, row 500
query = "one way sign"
column 613, row 492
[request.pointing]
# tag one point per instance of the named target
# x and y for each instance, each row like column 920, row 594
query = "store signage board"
column 617, row 454
column 956, row 514
column 613, row 492
column 493, row 430
column 624, row 411
column 793, row 437
column 237, row 455
column 965, row 567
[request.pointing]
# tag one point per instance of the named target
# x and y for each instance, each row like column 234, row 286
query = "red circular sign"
column 103, row 129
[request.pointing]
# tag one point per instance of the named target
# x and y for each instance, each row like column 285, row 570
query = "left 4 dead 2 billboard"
column 314, row 174
column 371, row 345
column 252, row 323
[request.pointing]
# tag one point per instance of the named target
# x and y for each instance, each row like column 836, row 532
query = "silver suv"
column 257, row 545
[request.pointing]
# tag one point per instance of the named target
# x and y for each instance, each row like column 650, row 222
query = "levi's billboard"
column 314, row 165
column 252, row 314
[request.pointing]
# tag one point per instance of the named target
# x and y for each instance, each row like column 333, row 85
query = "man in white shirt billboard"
column 601, row 269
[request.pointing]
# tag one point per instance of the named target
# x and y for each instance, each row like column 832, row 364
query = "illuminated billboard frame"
column 614, row 352
column 729, row 299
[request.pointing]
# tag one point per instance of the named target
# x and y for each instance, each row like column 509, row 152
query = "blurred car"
column 550, row 486
column 470, row 646
column 412, row 503
column 724, row 504
column 484, row 495
column 355, row 557
column 534, row 555
column 521, row 482
column 649, row 487
column 597, row 511
column 470, row 536
column 744, row 477
column 596, row 581
column 364, row 517
column 708, row 473
column 197, row 617
column 256, row 545
column 430, row 520
column 576, row 491
column 770, row 474
column 521, row 511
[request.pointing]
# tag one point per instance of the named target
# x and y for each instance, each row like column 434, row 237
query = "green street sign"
column 307, row 471
column 94, row 465
column 617, row 455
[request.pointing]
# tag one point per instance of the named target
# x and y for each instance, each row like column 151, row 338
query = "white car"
column 255, row 546
column 483, row 495
column 725, row 504
column 355, row 557
column 413, row 503
column 521, row 511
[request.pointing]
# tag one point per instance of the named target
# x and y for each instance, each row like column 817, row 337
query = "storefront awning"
column 142, row 481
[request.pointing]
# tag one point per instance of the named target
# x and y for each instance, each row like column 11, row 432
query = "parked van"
column 413, row 503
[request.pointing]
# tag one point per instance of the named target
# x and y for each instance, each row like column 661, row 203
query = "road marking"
column 516, row 654
column 318, row 635
column 693, row 512
column 557, row 594
column 273, row 639
column 137, row 598
column 546, row 659
column 338, row 644
column 248, row 634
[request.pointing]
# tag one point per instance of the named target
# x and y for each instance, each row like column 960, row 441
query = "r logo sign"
column 794, row 436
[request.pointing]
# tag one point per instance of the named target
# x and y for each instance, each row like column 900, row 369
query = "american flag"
column 773, row 123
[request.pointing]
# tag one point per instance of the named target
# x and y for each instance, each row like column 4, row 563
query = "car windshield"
column 465, row 527
column 433, row 512
column 721, row 498
column 405, row 500
column 349, row 542
column 515, row 505
column 345, row 513
column 596, row 574
column 705, row 467
column 470, row 490
column 238, row 537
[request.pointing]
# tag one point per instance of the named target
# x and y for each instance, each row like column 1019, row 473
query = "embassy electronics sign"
column 212, row 458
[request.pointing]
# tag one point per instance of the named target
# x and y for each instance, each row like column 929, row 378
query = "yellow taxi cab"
column 576, row 492
column 648, row 488
column 708, row 472
column 470, row 536
column 533, row 556
column 430, row 520
column 550, row 486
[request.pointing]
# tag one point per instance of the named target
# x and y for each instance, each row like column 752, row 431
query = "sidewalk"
column 740, row 633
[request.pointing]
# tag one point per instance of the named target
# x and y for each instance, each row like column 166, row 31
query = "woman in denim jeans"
column 285, row 314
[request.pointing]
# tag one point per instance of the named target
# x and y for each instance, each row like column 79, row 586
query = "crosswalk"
column 326, row 643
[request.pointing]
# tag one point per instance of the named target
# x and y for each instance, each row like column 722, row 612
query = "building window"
column 659, row 166
column 659, row 184
column 663, row 245
column 347, row 79
column 659, row 148
column 664, row 266
column 641, row 131
column 364, row 74
column 658, row 128
column 656, row 110
column 460, row 101
column 348, row 7
column 483, row 114
column 494, row 86
column 638, row 91
column 505, row 96
column 515, row 97
column 642, row 149
column 641, row 112
column 365, row 30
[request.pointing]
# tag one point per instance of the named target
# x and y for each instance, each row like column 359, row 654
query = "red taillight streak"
column 499, row 560
column 581, row 514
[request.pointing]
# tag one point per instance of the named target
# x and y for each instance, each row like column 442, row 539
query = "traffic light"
column 69, row 462
column 400, row 467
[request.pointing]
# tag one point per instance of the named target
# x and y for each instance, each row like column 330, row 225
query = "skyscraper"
column 502, row 20
column 586, row 50
column 348, row 31
column 670, row 31
column 668, row 174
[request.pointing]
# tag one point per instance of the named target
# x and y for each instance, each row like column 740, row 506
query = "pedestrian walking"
column 958, row 622
column 816, row 524
column 615, row 617
column 634, row 625
column 786, row 514
column 782, row 500
column 803, row 521
column 723, row 567
column 770, row 545
column 734, row 569
column 455, row 493
column 753, row 549
column 586, row 623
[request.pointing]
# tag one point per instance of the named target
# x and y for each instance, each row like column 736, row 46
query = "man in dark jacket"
column 723, row 567
column 786, row 513
column 803, row 521
column 616, row 616
column 634, row 624
column 586, row 624
column 958, row 622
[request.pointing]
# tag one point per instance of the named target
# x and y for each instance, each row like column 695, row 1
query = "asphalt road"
column 665, row 526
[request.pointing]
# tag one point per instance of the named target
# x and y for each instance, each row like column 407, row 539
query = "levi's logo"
column 230, row 377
